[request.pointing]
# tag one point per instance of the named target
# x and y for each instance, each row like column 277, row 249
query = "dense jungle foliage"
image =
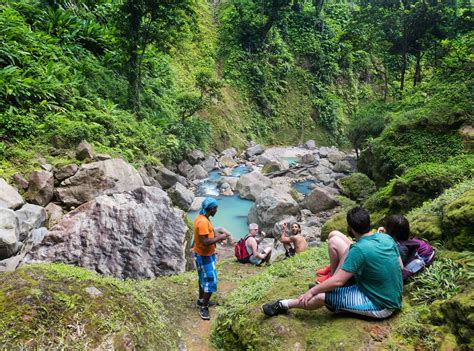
column 152, row 80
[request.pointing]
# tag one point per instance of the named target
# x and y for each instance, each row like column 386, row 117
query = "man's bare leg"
column 316, row 302
column 338, row 247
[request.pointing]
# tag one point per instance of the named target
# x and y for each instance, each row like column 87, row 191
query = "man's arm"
column 206, row 241
column 284, row 239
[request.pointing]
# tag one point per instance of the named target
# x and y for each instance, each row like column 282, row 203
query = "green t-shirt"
column 374, row 261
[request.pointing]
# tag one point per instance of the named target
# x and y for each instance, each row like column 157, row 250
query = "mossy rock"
column 426, row 226
column 459, row 313
column 271, row 166
column 56, row 306
column 357, row 187
column 459, row 222
column 336, row 222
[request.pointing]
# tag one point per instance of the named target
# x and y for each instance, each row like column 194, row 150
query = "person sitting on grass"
column 374, row 261
column 256, row 257
column 416, row 254
column 294, row 243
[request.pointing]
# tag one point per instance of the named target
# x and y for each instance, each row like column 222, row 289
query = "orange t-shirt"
column 203, row 226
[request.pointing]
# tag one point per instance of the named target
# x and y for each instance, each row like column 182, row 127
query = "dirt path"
column 197, row 331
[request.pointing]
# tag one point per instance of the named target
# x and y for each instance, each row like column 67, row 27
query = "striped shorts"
column 351, row 299
column 206, row 268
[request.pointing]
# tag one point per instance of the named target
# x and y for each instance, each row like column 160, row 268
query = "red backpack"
column 240, row 250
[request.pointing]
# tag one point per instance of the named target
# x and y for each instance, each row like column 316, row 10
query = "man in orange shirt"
column 204, row 254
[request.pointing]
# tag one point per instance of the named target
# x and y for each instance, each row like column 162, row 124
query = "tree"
column 141, row 23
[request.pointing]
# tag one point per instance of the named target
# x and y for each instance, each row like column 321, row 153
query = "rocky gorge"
column 103, row 215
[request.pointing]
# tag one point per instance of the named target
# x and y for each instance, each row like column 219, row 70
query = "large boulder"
column 209, row 163
column 97, row 178
column 251, row 185
column 270, row 207
column 459, row 222
column 319, row 199
column 84, row 151
column 30, row 217
column 199, row 172
column 168, row 178
column 65, row 171
column 229, row 152
column 9, row 196
column 146, row 173
column 135, row 234
column 195, row 156
column 275, row 166
column 232, row 181
column 181, row 197
column 342, row 167
column 20, row 181
column 9, row 233
column 255, row 150
column 227, row 161
column 310, row 145
column 40, row 188
column 335, row 156
column 186, row 170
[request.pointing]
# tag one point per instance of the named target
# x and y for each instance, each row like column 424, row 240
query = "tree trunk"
column 417, row 75
column 133, row 69
column 404, row 68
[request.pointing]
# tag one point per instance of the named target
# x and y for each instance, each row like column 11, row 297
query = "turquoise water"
column 232, row 211
column 231, row 214
column 303, row 187
column 291, row 160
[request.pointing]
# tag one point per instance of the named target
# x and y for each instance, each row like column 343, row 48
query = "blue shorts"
column 206, row 268
column 351, row 299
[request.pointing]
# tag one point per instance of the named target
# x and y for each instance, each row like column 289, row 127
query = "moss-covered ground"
column 54, row 307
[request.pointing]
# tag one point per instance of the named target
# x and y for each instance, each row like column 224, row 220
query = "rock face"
column 181, row 197
column 9, row 197
column 251, row 185
column 97, row 178
column 167, row 178
column 40, row 188
column 255, row 150
column 9, row 233
column 271, row 207
column 133, row 234
column 318, row 200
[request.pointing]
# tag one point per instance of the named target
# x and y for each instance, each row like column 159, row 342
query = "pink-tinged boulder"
column 40, row 188
column 97, row 178
column 134, row 234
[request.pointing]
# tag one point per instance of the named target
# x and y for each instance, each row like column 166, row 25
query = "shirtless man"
column 295, row 243
column 257, row 257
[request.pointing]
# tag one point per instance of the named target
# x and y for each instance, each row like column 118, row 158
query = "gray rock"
column 325, row 162
column 9, row 233
column 229, row 152
column 36, row 235
column 66, row 171
column 84, row 151
column 19, row 180
column 47, row 167
column 270, row 207
column 324, row 151
column 168, row 178
column 226, row 172
column 262, row 160
column 195, row 157
column 40, row 188
column 54, row 214
column 181, row 197
column 30, row 217
column 226, row 190
column 232, row 181
column 97, row 178
column 251, row 185
column 318, row 200
column 227, row 161
column 186, row 170
column 93, row 292
column 209, row 164
column 197, row 203
column 102, row 157
column 335, row 156
column 342, row 167
column 320, row 169
column 310, row 145
column 148, row 180
column 199, row 172
column 135, row 234
column 255, row 150
column 9, row 196
column 308, row 158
